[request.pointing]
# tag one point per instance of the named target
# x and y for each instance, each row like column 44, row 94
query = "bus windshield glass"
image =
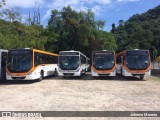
column 19, row 60
column 137, row 60
column 103, row 60
column 69, row 62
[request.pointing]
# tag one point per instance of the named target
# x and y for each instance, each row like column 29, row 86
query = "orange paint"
column 134, row 71
column 104, row 71
column 33, row 68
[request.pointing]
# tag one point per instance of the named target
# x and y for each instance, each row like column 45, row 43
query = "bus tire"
column 41, row 76
column 142, row 77
column 85, row 70
column 3, row 79
column 55, row 72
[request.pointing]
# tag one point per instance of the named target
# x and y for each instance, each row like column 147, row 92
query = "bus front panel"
column 103, row 64
column 137, row 63
column 72, row 63
column 19, row 63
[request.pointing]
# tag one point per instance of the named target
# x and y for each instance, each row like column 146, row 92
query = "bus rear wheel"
column 41, row 76
column 55, row 72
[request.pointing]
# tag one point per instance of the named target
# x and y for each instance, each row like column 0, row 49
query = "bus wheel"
column 141, row 77
column 3, row 76
column 41, row 76
column 55, row 72
column 85, row 71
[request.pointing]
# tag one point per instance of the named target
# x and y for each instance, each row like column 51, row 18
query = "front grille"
column 18, row 78
column 104, row 74
column 137, row 74
column 68, row 74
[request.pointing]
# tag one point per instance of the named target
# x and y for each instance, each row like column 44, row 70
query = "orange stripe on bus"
column 104, row 71
column 134, row 71
column 33, row 68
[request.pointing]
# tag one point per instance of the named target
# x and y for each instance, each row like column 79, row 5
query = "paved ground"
column 81, row 94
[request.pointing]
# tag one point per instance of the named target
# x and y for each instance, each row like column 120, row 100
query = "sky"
column 111, row 11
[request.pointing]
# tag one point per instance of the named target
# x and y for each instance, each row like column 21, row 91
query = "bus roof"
column 103, row 51
column 3, row 50
column 36, row 50
column 121, row 53
column 45, row 52
column 70, row 51
column 74, row 51
column 137, row 50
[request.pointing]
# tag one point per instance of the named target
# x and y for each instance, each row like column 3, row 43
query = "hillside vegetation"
column 68, row 29
column 140, row 31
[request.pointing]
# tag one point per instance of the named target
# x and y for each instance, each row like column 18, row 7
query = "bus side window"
column 118, row 61
column 55, row 60
column 36, row 59
column 4, row 57
column 43, row 59
column 46, row 59
column 3, row 65
column 83, row 60
column 122, row 60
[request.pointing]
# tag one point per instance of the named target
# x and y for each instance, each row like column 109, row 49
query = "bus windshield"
column 69, row 62
column 19, row 60
column 103, row 60
column 137, row 60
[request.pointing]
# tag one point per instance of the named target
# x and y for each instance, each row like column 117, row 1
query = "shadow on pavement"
column 20, row 82
column 89, row 77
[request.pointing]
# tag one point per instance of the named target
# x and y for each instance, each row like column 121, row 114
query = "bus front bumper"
column 126, row 73
column 93, row 73
column 68, row 73
column 27, row 77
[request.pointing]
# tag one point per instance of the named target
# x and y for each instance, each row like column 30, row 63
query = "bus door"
column 3, row 65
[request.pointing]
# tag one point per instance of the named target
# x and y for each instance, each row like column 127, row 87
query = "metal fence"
column 155, row 65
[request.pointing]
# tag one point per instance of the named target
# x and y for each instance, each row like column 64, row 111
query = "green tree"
column 100, row 24
column 12, row 14
column 71, row 30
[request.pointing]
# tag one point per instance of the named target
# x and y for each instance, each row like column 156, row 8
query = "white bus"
column 30, row 64
column 3, row 58
column 134, row 63
column 72, row 63
column 103, row 63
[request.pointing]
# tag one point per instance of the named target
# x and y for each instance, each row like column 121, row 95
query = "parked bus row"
column 33, row 64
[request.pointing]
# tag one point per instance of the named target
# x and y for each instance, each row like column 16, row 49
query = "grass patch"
column 155, row 77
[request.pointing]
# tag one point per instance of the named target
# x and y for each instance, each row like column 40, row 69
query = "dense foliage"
column 68, row 29
column 140, row 31
column 16, row 35
column 71, row 30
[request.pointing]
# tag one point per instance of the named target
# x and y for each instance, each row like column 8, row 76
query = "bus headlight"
column 114, row 70
column 7, row 73
column 148, row 70
column 77, row 70
column 30, row 73
column 59, row 70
